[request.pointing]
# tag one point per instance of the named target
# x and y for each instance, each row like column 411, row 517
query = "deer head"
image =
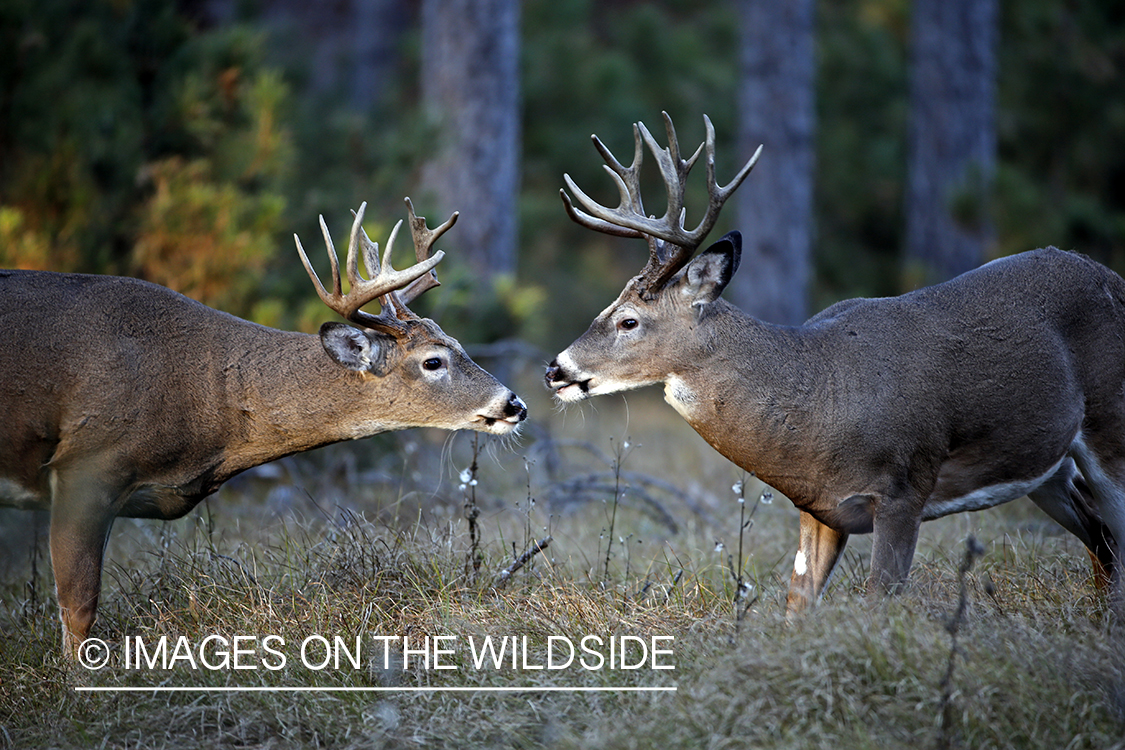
column 411, row 355
column 626, row 345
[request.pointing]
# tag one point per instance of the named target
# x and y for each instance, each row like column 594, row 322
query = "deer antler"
column 424, row 239
column 671, row 244
column 385, row 281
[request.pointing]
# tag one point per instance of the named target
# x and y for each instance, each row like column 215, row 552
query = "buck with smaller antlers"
column 876, row 414
column 123, row 398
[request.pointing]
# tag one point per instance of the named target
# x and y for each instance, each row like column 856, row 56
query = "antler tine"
column 423, row 236
column 671, row 243
column 368, row 249
column 371, row 261
column 424, row 239
column 675, row 170
column 717, row 195
column 600, row 218
column 627, row 180
column 326, row 297
column 384, row 279
column 629, row 219
column 320, row 290
column 611, row 161
column 673, row 142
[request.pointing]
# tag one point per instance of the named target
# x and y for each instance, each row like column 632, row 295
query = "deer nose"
column 552, row 372
column 515, row 407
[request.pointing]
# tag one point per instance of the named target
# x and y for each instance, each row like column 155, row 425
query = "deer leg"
column 892, row 548
column 80, row 524
column 1066, row 498
column 818, row 551
column 1106, row 483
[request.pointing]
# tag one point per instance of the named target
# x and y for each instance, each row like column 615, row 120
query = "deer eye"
column 628, row 324
column 432, row 364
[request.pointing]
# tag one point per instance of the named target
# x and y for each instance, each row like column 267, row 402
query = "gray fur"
column 878, row 413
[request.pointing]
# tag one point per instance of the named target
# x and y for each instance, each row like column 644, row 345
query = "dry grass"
column 1039, row 663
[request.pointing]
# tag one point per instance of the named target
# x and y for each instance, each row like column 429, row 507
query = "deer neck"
column 284, row 395
column 746, row 387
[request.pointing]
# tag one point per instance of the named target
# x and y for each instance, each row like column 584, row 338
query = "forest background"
column 186, row 141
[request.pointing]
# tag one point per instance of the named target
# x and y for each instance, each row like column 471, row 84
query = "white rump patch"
column 1108, row 492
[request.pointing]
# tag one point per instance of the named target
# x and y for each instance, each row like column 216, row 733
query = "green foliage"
column 861, row 147
column 1062, row 172
column 1060, row 116
column 505, row 310
column 131, row 143
column 73, row 95
column 204, row 237
column 19, row 246
column 210, row 222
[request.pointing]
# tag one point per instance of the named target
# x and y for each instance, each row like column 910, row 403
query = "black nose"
column 515, row 407
column 552, row 372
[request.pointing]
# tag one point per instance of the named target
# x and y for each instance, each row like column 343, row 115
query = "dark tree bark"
column 351, row 47
column 376, row 32
column 775, row 208
column 952, row 140
column 470, row 86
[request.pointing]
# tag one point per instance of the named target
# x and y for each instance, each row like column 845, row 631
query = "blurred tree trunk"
column 350, row 48
column 952, row 139
column 470, row 87
column 775, row 209
column 376, row 31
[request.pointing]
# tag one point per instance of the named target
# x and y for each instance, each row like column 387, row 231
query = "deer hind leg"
column 1066, row 497
column 818, row 552
column 81, row 519
column 1106, row 483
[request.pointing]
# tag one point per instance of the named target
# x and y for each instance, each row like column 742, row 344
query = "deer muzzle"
column 566, row 385
column 507, row 416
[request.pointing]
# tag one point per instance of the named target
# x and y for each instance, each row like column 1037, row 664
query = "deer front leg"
column 80, row 524
column 818, row 551
column 892, row 549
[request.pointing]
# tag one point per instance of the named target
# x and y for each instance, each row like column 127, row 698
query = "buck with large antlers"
column 876, row 414
column 123, row 398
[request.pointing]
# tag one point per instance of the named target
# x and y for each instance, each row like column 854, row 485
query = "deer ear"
column 350, row 347
column 708, row 274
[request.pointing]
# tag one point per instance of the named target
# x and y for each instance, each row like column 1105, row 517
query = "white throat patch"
column 679, row 395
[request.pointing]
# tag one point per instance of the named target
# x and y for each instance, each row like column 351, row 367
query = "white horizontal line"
column 302, row 689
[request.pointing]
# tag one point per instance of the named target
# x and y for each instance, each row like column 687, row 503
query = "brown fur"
column 123, row 398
